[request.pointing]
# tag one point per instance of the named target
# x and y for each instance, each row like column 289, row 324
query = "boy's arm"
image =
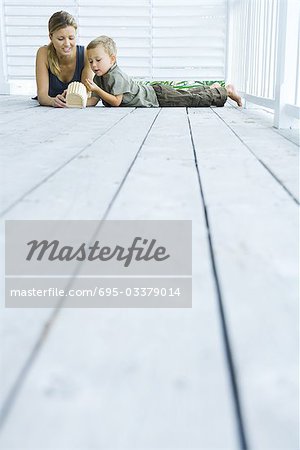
column 113, row 100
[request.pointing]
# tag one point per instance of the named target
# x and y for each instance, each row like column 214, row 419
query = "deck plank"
column 28, row 162
column 13, row 104
column 166, row 171
column 16, row 100
column 91, row 167
column 278, row 154
column 175, row 372
column 18, row 120
column 99, row 168
column 254, row 225
column 171, row 361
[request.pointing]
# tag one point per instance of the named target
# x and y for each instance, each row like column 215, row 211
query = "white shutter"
column 156, row 39
column 128, row 23
column 189, row 39
column 26, row 29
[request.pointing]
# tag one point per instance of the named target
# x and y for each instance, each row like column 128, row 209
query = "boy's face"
column 100, row 61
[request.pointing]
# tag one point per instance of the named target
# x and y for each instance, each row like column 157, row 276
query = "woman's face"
column 64, row 41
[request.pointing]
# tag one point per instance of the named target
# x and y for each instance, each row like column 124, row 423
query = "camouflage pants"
column 202, row 96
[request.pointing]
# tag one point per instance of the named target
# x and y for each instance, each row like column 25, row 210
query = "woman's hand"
column 60, row 100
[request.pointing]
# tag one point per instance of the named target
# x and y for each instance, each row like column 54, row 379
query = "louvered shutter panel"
column 26, row 29
column 189, row 39
column 128, row 23
column 156, row 39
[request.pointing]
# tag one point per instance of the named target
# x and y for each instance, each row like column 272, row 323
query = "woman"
column 60, row 62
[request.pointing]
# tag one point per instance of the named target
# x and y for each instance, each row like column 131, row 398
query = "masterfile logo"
column 145, row 251
column 98, row 263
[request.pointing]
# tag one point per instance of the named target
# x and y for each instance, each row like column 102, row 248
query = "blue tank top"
column 57, row 86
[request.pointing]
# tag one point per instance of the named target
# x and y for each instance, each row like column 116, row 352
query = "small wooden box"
column 77, row 95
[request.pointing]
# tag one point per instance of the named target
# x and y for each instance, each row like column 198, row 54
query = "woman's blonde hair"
column 106, row 42
column 58, row 20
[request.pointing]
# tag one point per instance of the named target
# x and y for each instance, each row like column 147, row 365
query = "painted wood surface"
column 141, row 29
column 254, row 226
column 279, row 156
column 157, row 378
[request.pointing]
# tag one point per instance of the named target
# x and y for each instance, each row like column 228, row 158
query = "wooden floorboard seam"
column 242, row 437
column 47, row 139
column 31, row 109
column 18, row 110
column 280, row 132
column 58, row 169
column 21, row 377
column 12, row 395
column 291, row 195
column 234, row 378
column 129, row 168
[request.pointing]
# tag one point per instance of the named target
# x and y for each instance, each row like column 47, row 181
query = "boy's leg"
column 201, row 96
column 216, row 94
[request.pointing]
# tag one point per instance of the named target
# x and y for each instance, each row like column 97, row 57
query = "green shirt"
column 116, row 82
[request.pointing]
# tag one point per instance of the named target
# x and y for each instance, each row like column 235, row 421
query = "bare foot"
column 231, row 92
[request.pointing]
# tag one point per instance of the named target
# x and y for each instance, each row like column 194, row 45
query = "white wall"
column 157, row 39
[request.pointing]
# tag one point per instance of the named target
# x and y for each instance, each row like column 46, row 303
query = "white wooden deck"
column 222, row 375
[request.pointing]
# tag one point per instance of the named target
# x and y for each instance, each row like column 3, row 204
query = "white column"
column 4, row 85
column 288, row 23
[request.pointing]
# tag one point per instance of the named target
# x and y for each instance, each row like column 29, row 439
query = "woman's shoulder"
column 42, row 54
column 43, row 49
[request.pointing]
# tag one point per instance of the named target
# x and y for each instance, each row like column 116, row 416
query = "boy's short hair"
column 106, row 42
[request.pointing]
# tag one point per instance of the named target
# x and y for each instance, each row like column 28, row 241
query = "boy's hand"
column 91, row 85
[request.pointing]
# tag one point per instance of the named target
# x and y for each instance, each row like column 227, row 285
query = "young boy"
column 115, row 88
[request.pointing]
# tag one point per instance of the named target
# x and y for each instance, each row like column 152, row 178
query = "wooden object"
column 76, row 95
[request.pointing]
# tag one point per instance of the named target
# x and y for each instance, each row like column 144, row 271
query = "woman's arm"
column 87, row 72
column 113, row 100
column 42, row 81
